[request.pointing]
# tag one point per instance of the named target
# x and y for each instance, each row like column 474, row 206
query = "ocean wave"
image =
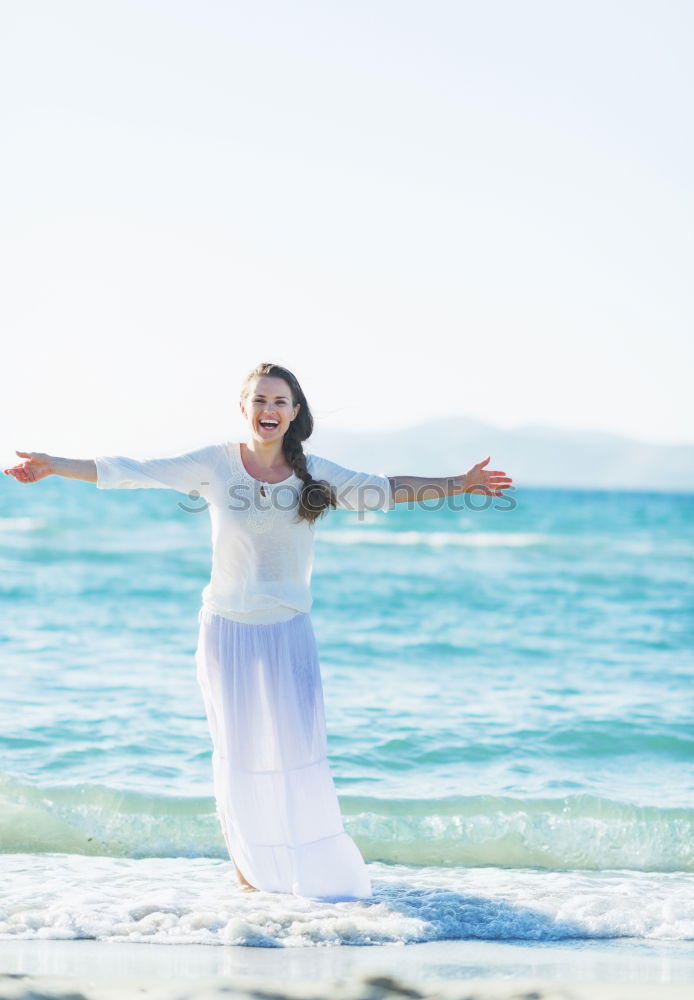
column 570, row 833
column 575, row 832
column 197, row 901
column 580, row 740
column 22, row 523
column 585, row 542
column 434, row 539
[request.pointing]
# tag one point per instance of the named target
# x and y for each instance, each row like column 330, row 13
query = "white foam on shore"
column 197, row 901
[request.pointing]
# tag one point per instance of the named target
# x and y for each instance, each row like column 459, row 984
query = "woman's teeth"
column 269, row 424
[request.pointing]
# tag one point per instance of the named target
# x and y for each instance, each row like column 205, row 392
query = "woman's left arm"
column 478, row 480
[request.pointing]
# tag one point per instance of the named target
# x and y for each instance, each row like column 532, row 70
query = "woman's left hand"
column 490, row 481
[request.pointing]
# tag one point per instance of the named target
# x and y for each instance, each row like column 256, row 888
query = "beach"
column 508, row 703
column 62, row 970
column 369, row 988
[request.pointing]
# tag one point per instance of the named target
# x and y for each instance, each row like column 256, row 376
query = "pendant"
column 262, row 515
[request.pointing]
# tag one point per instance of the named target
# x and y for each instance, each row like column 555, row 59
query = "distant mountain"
column 532, row 455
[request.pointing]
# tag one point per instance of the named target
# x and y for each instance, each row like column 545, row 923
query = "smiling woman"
column 279, row 421
column 257, row 661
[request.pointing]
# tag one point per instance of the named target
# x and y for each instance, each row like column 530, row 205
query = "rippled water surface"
column 509, row 706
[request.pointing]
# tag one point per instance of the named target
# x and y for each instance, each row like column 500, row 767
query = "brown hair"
column 316, row 494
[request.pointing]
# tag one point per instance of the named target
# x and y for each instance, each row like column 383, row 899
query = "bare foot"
column 243, row 881
column 244, row 884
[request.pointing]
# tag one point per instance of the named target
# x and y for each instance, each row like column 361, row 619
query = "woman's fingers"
column 20, row 465
column 489, row 480
column 26, row 471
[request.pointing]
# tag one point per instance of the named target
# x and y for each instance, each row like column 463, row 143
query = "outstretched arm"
column 191, row 472
column 478, row 480
column 37, row 465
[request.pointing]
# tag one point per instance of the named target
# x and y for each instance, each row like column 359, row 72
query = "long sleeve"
column 192, row 471
column 355, row 491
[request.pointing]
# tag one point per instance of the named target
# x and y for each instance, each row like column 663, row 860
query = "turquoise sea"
column 510, row 714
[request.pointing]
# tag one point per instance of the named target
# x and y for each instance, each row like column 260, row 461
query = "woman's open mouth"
column 269, row 425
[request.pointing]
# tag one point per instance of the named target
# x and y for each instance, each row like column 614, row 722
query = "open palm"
column 35, row 466
column 492, row 482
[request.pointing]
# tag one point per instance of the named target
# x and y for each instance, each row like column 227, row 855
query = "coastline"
column 361, row 988
column 474, row 970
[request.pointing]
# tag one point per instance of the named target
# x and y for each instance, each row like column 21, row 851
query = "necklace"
column 262, row 511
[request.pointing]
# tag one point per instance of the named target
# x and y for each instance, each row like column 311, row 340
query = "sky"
column 423, row 209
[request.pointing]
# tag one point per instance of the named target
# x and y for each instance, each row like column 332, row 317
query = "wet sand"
column 449, row 970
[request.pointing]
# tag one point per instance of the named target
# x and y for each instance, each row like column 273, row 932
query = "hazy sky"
column 422, row 208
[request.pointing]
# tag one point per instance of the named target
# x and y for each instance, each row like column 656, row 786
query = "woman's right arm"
column 192, row 473
column 37, row 465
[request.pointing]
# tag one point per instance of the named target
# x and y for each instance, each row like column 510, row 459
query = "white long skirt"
column 276, row 800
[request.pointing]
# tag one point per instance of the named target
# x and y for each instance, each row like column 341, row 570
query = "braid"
column 316, row 494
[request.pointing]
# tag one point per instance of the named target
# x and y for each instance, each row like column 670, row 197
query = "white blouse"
column 262, row 558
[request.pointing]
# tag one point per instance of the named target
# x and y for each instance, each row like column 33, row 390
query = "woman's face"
column 268, row 408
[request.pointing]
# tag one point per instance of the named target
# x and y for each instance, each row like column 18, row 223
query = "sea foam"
column 197, row 901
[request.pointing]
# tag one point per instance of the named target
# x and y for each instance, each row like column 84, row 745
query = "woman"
column 257, row 661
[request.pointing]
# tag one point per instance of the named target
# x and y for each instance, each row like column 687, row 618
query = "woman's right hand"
column 35, row 466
